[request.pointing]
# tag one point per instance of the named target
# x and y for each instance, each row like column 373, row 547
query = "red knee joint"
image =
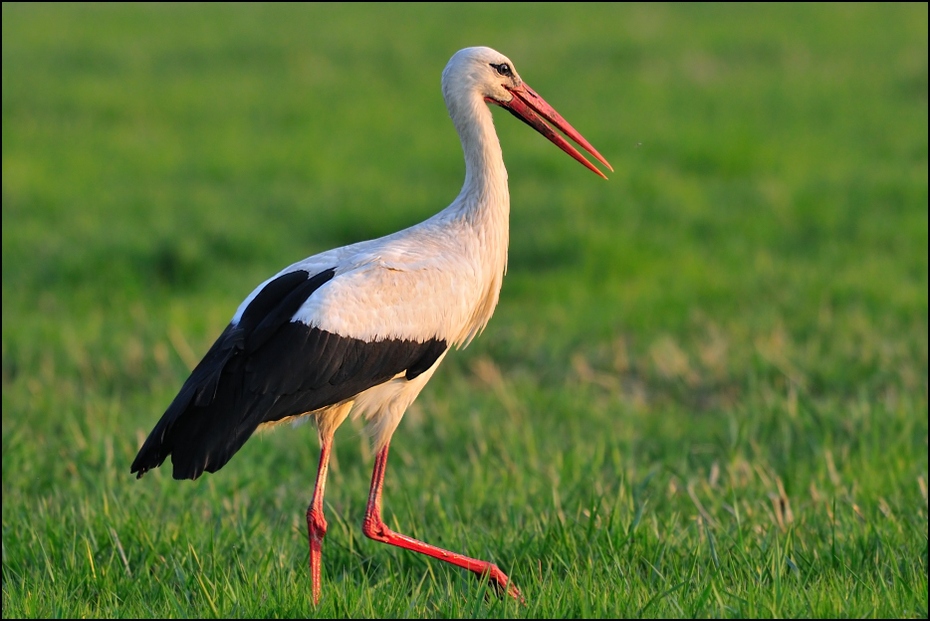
column 316, row 523
column 374, row 529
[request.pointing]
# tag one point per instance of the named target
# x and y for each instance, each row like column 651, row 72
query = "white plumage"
column 361, row 329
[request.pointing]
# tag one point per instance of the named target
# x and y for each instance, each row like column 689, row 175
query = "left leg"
column 374, row 528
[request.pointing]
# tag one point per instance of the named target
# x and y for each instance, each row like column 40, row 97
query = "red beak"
column 533, row 110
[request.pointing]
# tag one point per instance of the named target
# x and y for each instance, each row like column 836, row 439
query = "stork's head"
column 477, row 73
column 481, row 71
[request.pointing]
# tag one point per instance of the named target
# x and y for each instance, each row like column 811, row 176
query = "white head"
column 479, row 74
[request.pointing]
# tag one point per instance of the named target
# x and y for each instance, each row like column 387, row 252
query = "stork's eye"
column 503, row 69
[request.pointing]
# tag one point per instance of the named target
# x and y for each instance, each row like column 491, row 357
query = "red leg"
column 374, row 528
column 316, row 523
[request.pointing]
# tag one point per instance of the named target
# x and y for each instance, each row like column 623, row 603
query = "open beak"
column 533, row 110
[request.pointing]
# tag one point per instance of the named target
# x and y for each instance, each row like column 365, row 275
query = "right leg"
column 327, row 421
column 316, row 523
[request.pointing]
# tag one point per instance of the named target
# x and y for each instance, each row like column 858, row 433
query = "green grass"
column 704, row 392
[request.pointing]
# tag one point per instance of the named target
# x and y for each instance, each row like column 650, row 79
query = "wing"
column 276, row 359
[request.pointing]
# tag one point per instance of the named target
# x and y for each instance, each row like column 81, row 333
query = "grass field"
column 704, row 392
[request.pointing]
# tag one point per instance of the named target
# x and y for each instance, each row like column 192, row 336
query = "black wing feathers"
column 266, row 368
column 428, row 358
column 269, row 312
column 270, row 298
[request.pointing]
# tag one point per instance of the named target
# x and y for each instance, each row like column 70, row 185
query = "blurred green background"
column 727, row 341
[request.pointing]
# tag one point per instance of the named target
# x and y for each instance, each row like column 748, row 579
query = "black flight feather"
column 266, row 368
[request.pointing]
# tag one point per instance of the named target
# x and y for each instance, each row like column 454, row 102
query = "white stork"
column 361, row 329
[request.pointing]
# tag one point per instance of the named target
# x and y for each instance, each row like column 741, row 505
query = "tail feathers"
column 201, row 439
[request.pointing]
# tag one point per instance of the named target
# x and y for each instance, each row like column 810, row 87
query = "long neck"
column 483, row 206
column 484, row 194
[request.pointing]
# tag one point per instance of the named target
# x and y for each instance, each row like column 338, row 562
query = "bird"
column 361, row 329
